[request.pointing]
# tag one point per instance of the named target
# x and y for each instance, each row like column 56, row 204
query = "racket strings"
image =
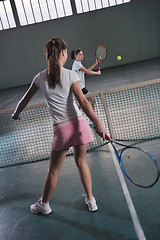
column 139, row 167
column 100, row 53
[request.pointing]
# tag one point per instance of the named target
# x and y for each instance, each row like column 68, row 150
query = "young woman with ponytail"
column 77, row 57
column 59, row 85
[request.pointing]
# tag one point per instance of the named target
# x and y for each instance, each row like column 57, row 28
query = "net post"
column 110, row 126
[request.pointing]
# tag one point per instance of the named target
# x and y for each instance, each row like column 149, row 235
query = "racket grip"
column 99, row 68
column 107, row 137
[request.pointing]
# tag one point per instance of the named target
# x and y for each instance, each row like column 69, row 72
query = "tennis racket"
column 101, row 52
column 137, row 164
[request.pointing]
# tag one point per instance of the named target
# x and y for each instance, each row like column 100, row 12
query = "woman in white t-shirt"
column 59, row 86
column 77, row 56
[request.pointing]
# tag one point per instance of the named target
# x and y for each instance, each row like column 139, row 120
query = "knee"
column 52, row 172
column 80, row 163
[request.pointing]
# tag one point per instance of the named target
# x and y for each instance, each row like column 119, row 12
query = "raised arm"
column 90, row 72
column 86, row 107
column 24, row 101
column 95, row 64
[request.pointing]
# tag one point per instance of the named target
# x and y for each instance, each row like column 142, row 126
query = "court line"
column 2, row 104
column 134, row 216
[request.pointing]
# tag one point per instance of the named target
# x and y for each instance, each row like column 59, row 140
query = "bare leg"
column 80, row 159
column 56, row 162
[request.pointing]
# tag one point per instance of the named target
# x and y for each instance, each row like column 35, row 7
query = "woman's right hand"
column 98, row 72
column 100, row 130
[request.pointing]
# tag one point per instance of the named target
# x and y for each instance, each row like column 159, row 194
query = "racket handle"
column 107, row 137
column 98, row 65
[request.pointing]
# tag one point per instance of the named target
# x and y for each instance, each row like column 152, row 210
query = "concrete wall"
column 131, row 30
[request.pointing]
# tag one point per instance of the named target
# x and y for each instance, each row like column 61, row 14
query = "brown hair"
column 52, row 50
column 74, row 53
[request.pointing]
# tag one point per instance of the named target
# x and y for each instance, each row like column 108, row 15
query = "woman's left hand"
column 15, row 117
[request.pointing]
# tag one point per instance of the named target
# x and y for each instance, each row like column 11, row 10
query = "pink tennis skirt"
column 73, row 132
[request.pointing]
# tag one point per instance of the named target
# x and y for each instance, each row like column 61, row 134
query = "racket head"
column 139, row 166
column 101, row 52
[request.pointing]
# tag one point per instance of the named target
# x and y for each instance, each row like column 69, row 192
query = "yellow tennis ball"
column 118, row 58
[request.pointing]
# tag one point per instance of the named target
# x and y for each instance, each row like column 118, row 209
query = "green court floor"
column 22, row 185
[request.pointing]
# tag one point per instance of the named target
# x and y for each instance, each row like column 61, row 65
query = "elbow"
column 83, row 102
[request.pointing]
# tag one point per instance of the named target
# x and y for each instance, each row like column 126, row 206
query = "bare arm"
column 24, row 101
column 95, row 64
column 86, row 107
column 90, row 72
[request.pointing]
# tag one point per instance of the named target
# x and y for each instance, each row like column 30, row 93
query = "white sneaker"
column 40, row 207
column 92, row 206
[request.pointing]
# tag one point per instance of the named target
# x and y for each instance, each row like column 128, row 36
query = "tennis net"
column 129, row 113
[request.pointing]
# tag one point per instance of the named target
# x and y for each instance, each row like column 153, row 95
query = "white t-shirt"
column 76, row 68
column 60, row 100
